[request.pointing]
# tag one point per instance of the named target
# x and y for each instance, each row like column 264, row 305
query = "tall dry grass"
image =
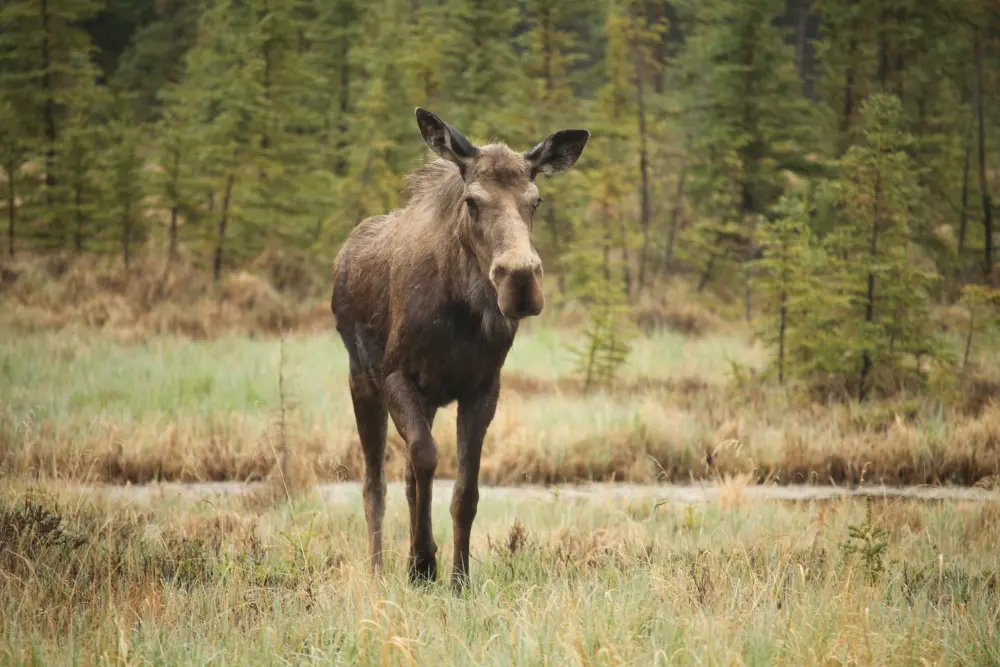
column 85, row 579
column 274, row 292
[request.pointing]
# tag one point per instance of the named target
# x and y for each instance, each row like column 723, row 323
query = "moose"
column 427, row 299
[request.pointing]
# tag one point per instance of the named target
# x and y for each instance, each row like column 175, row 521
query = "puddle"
column 350, row 492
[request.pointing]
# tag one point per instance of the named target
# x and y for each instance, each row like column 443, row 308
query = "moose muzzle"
column 518, row 281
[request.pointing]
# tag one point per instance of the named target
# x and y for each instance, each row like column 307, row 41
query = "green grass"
column 173, row 580
column 85, row 376
column 75, row 404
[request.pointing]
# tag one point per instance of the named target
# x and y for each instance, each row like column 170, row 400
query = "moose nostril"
column 499, row 272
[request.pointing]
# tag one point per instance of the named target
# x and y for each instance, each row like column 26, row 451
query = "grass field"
column 114, row 381
column 243, row 580
column 77, row 404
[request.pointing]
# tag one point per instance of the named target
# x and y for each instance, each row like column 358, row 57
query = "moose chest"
column 458, row 356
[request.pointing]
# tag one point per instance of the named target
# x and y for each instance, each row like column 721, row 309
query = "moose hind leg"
column 371, row 415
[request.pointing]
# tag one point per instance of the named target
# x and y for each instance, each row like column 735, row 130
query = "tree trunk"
column 848, row 112
column 866, row 361
column 983, row 185
column 11, row 210
column 706, row 275
column 963, row 214
column 626, row 260
column 782, row 324
column 883, row 54
column 345, row 85
column 655, row 15
column 675, row 214
column 48, row 108
column 126, row 235
column 172, row 251
column 801, row 50
column 747, row 207
column 77, row 206
column 968, row 338
column 643, row 174
column 223, row 221
column 550, row 218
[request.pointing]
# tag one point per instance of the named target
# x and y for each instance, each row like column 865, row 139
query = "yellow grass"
column 167, row 579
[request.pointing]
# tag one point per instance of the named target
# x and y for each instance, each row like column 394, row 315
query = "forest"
column 823, row 167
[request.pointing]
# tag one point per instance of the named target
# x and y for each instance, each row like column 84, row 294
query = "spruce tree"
column 743, row 106
column 888, row 277
column 46, row 58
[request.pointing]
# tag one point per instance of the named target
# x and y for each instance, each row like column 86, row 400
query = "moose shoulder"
column 427, row 300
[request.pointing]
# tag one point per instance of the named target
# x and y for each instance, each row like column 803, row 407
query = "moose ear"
column 557, row 153
column 446, row 141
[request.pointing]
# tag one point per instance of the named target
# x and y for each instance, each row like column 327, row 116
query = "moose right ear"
column 446, row 141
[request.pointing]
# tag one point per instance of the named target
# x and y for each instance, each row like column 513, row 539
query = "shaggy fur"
column 427, row 300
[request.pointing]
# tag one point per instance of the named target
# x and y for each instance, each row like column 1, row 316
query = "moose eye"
column 473, row 207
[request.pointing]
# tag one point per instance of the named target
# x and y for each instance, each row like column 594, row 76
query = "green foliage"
column 860, row 297
column 982, row 304
column 607, row 334
column 838, row 182
column 869, row 542
column 744, row 109
column 888, row 279
column 791, row 283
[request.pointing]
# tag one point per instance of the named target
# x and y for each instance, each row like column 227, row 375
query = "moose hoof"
column 423, row 568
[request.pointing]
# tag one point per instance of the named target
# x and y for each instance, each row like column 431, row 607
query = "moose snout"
column 519, row 287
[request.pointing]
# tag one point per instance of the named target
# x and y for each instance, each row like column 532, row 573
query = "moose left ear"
column 557, row 153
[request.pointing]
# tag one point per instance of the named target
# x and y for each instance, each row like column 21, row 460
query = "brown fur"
column 427, row 300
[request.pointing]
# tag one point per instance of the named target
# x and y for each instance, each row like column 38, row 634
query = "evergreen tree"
column 125, row 209
column 485, row 83
column 788, row 281
column 888, row 276
column 744, row 109
column 81, row 176
column 45, row 59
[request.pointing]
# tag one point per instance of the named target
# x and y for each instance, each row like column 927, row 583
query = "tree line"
column 832, row 162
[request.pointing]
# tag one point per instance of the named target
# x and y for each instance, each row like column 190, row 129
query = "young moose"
column 427, row 300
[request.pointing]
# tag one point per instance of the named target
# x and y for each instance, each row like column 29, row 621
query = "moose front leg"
column 474, row 417
column 409, row 413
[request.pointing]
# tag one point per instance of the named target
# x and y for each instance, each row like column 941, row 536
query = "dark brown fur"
column 420, row 296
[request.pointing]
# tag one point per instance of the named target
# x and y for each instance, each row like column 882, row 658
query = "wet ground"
column 350, row 492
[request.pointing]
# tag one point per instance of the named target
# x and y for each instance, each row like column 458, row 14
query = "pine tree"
column 175, row 182
column 744, row 108
column 888, row 278
column 788, row 276
column 45, row 58
column 607, row 336
column 381, row 148
column 485, row 83
column 125, row 210
column 81, row 176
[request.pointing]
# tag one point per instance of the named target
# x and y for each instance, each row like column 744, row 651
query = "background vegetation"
column 775, row 263
column 817, row 173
